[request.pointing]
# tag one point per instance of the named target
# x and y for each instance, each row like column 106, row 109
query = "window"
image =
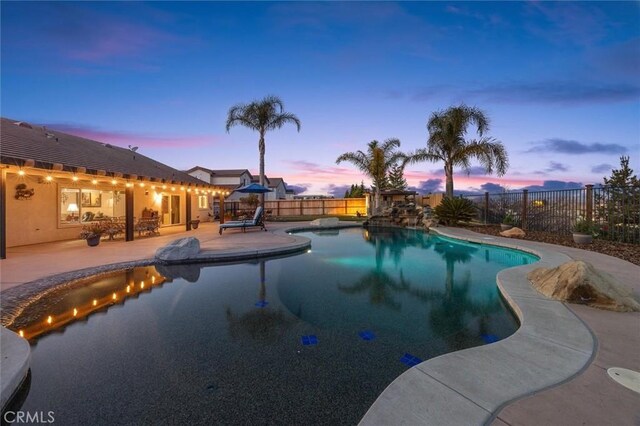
column 203, row 202
column 80, row 205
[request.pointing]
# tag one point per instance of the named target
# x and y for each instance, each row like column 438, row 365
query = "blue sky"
column 560, row 81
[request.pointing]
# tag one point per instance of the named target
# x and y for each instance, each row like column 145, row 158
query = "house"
column 313, row 197
column 227, row 179
column 53, row 183
column 278, row 188
column 231, row 179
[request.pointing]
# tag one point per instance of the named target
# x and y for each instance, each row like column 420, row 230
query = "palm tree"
column 376, row 162
column 446, row 143
column 261, row 116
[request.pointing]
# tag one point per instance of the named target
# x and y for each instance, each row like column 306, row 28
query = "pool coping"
column 16, row 357
column 471, row 386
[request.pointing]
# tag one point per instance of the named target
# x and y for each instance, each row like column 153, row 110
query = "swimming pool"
column 310, row 338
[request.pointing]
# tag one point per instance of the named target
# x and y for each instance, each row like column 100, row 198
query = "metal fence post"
column 486, row 207
column 525, row 201
column 589, row 195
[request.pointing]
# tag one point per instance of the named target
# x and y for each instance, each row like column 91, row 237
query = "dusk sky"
column 560, row 82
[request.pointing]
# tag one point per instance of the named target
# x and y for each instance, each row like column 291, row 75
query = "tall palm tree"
column 376, row 162
column 261, row 116
column 447, row 143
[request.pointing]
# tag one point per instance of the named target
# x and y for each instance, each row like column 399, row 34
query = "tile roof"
column 47, row 146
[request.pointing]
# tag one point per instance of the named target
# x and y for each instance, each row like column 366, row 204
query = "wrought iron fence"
column 613, row 211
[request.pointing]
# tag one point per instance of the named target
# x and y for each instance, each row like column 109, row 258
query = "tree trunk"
column 377, row 204
column 261, row 148
column 448, row 171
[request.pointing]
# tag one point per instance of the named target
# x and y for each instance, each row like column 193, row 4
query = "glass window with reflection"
column 81, row 205
column 203, row 202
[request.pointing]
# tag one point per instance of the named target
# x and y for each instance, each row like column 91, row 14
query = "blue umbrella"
column 253, row 188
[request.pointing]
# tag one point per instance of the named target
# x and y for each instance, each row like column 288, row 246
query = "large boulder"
column 513, row 233
column 179, row 250
column 580, row 282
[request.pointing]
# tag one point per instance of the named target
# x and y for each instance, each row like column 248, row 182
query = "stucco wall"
column 35, row 220
column 225, row 180
column 202, row 175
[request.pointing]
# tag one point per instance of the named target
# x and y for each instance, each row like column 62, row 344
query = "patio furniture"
column 148, row 225
column 257, row 221
column 114, row 227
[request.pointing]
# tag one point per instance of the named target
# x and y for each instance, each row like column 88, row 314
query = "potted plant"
column 508, row 222
column 583, row 231
column 195, row 222
column 92, row 232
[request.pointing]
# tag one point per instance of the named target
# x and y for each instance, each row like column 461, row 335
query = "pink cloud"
column 124, row 139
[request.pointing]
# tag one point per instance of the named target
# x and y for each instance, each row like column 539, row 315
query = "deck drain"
column 628, row 378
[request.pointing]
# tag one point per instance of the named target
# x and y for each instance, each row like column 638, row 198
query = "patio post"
column 128, row 202
column 3, row 214
column 188, row 211
column 221, row 204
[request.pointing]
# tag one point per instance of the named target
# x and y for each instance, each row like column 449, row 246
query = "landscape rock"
column 513, row 233
column 181, row 249
column 326, row 221
column 580, row 282
column 430, row 223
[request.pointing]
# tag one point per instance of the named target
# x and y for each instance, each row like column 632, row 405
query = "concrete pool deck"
column 577, row 357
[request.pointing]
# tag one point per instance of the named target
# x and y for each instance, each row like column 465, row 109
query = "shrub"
column 509, row 220
column 453, row 210
column 93, row 229
column 583, row 226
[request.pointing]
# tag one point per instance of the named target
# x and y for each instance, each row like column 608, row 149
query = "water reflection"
column 455, row 313
column 261, row 322
column 81, row 299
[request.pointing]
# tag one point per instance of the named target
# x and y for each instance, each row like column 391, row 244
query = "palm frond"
column 280, row 120
column 358, row 159
column 421, row 155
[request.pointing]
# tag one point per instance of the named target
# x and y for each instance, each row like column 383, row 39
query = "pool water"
column 311, row 338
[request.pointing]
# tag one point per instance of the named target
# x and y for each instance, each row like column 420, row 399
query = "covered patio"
column 52, row 185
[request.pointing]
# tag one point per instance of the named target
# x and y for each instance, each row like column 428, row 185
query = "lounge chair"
column 258, row 220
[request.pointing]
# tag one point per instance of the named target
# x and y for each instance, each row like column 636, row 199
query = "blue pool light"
column 262, row 304
column 367, row 335
column 410, row 360
column 490, row 338
column 309, row 340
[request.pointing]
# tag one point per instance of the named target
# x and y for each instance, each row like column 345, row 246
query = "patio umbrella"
column 253, row 188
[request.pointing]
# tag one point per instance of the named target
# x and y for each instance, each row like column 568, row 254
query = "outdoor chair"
column 257, row 221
